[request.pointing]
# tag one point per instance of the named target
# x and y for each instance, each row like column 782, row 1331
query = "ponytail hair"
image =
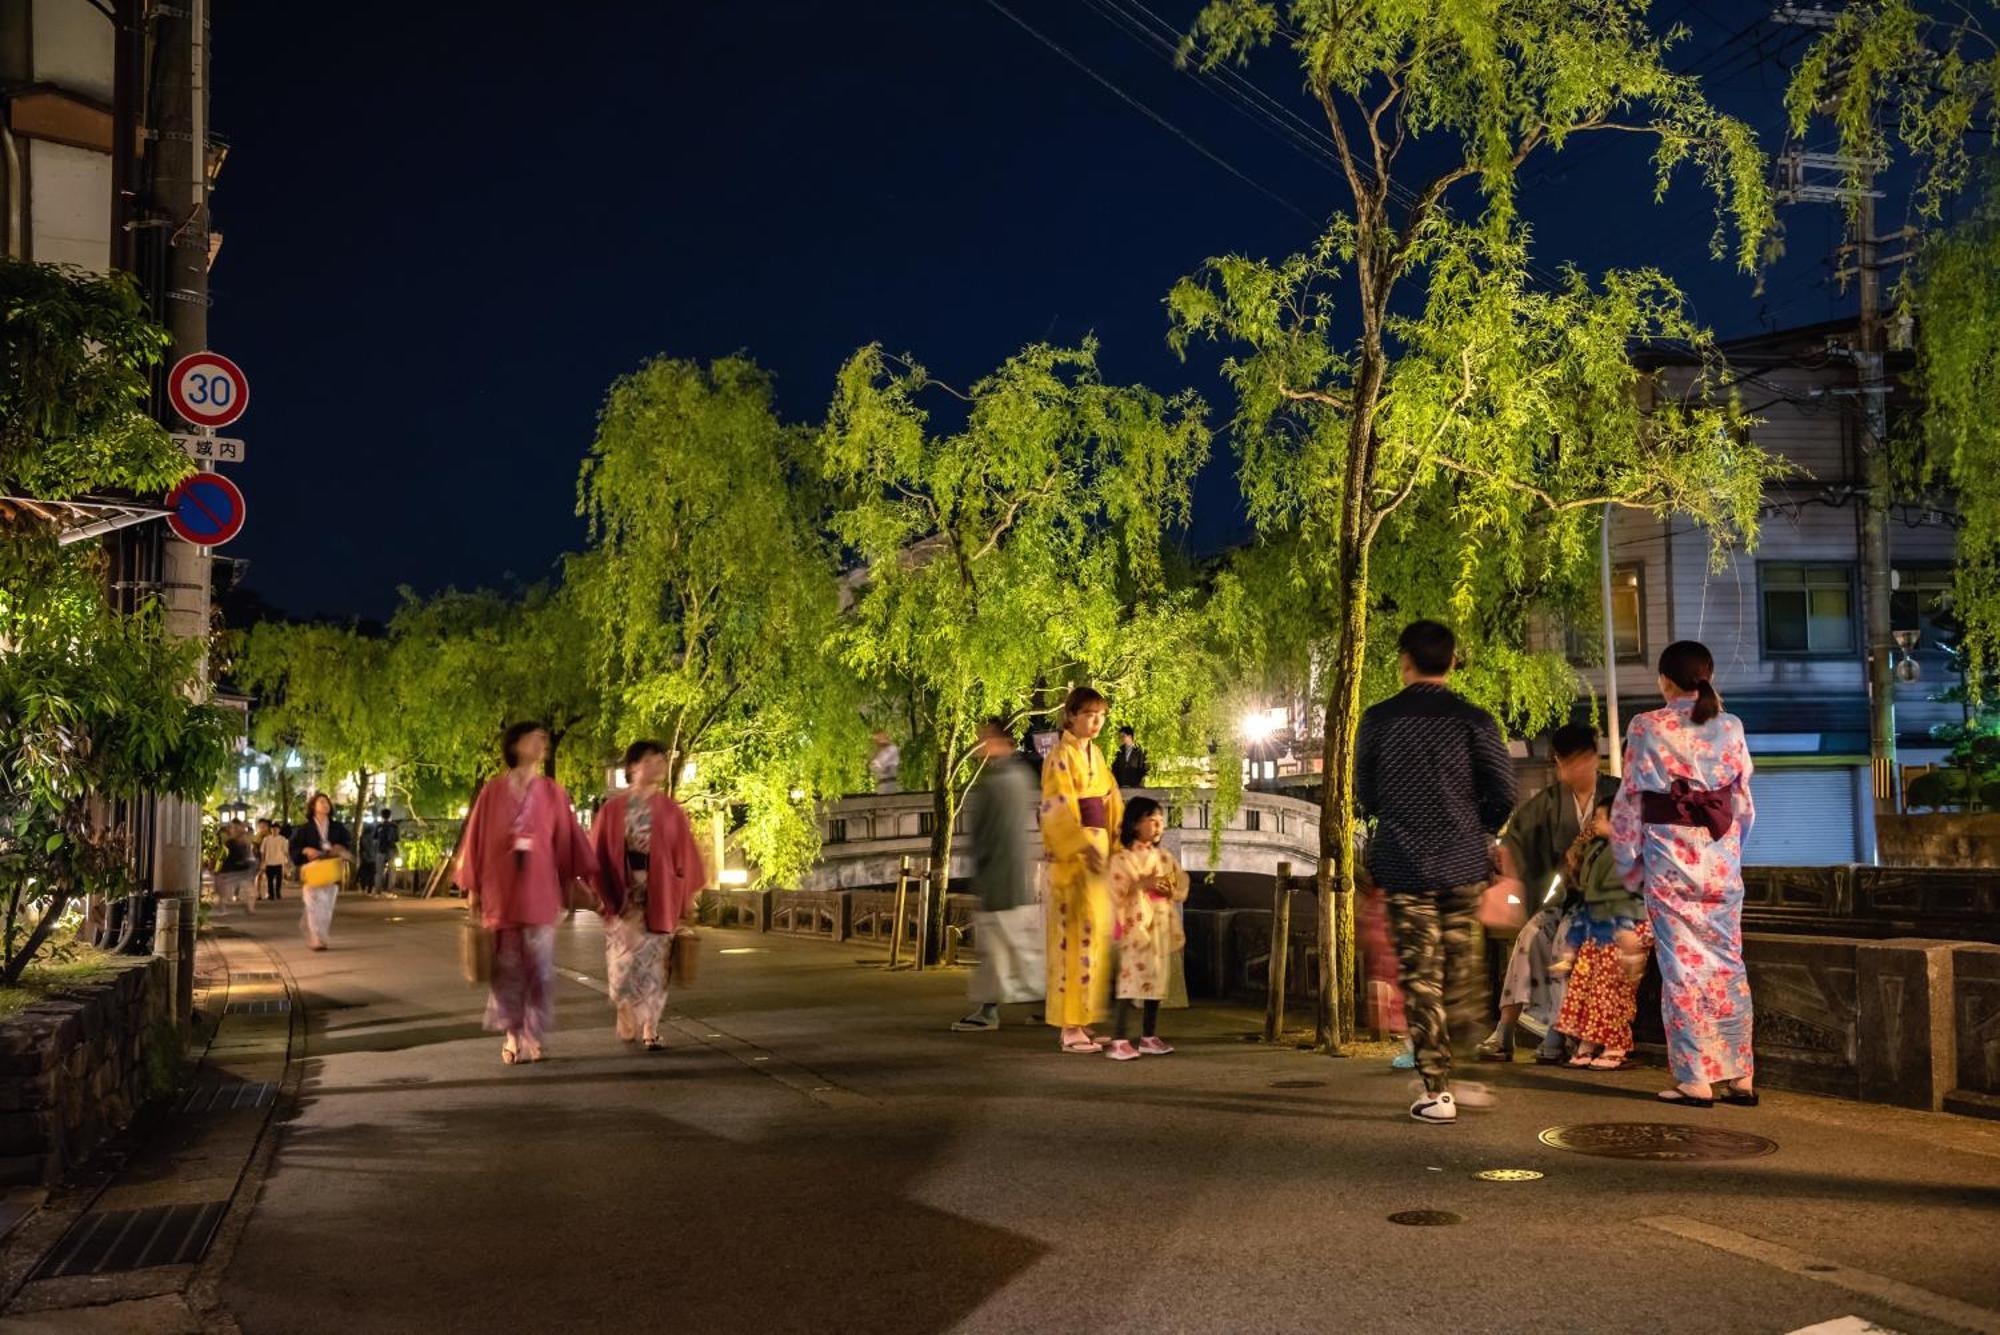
column 1689, row 666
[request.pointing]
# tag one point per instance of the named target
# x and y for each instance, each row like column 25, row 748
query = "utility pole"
column 179, row 198
column 1852, row 184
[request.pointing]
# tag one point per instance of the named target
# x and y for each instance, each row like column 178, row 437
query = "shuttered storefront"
column 1805, row 817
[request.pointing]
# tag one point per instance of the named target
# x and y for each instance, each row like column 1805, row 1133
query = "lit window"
column 1628, row 621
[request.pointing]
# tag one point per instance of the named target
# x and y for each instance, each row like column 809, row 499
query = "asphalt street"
column 814, row 1151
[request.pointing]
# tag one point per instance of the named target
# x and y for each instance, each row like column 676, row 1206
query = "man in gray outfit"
column 1007, row 933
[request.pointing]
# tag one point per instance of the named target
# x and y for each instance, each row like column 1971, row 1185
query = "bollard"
column 896, row 919
column 167, row 945
column 921, row 956
column 1281, row 950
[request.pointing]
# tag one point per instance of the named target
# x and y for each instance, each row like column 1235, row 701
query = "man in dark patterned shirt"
column 1432, row 771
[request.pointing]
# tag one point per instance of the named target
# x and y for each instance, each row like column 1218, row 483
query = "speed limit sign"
column 208, row 389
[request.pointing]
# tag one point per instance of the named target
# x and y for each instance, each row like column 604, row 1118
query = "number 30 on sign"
column 208, row 389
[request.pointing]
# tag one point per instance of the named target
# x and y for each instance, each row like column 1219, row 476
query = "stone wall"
column 76, row 1067
column 1940, row 840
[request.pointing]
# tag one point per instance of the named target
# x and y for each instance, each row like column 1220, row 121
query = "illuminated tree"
column 1413, row 364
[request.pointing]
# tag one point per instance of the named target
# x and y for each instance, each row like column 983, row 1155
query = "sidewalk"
column 139, row 1247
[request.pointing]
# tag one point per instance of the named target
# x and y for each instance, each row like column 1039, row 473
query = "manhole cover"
column 1298, row 1084
column 1509, row 1175
column 1422, row 1218
column 1656, row 1140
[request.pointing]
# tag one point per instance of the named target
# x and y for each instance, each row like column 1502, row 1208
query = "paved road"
column 815, row 1152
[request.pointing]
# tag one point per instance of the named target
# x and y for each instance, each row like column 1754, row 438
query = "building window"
column 1628, row 621
column 924, row 823
column 836, row 831
column 1253, row 819
column 1808, row 610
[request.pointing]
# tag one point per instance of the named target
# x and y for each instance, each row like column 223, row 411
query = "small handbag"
column 321, row 872
column 475, row 950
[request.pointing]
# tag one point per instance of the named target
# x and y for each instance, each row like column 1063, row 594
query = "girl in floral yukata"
column 1677, row 832
column 1081, row 808
column 1147, row 889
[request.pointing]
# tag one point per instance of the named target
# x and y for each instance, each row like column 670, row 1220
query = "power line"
column 1149, row 113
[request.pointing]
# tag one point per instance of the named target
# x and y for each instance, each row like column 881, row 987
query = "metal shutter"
column 1805, row 818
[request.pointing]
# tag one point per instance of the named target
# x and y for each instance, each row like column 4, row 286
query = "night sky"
column 449, row 227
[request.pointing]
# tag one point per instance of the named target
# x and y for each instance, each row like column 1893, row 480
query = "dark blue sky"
column 449, row 227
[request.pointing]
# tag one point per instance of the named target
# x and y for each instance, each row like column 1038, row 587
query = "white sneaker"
column 1440, row 1108
column 1472, row 1094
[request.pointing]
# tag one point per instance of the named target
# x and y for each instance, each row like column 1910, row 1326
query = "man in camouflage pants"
column 1432, row 771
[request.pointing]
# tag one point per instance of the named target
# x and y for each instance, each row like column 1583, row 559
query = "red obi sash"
column 1684, row 804
column 1092, row 811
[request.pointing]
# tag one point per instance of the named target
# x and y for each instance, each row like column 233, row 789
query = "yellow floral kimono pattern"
column 1081, row 809
column 1147, row 885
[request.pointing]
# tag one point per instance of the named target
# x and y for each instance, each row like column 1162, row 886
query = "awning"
column 80, row 520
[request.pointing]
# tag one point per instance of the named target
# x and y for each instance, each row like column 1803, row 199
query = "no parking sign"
column 205, row 509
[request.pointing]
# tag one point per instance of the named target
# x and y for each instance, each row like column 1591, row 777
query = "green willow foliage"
column 1505, row 407
column 1014, row 551
column 1896, row 74
column 1955, row 436
column 710, row 589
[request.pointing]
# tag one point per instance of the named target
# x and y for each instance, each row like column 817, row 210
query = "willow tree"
column 710, row 592
column 1920, row 85
column 1411, row 349
column 327, row 691
column 1013, row 548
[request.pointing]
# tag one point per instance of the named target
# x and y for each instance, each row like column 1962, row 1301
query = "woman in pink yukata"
column 522, row 847
column 1677, row 832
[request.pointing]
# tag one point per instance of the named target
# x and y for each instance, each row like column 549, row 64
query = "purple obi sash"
column 1684, row 804
column 1092, row 811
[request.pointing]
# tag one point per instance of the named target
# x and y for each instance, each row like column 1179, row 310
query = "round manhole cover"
column 1656, row 1140
column 1298, row 1084
column 1509, row 1175
column 1423, row 1218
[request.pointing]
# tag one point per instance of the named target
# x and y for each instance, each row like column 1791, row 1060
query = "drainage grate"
column 1425, row 1218
column 229, row 1096
column 108, row 1240
column 276, row 1007
column 253, row 977
column 1674, row 1141
column 1298, row 1084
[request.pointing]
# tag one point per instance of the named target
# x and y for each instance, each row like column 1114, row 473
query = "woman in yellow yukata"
column 1081, row 810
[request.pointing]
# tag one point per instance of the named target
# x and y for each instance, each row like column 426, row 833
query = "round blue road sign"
column 207, row 510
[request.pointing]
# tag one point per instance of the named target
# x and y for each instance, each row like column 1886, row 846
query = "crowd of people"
column 1599, row 875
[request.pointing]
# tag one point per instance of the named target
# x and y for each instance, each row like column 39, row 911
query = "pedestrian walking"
column 1432, row 771
column 522, row 849
column 649, row 872
column 236, row 873
column 1081, row 808
column 1008, row 929
column 276, row 851
column 388, row 836
column 1677, row 832
column 1605, row 951
column 321, row 850
column 1128, row 767
column 1148, row 887
column 1532, row 849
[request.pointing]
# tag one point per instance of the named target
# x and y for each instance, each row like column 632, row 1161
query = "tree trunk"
column 360, row 809
column 1333, row 1027
column 943, row 813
